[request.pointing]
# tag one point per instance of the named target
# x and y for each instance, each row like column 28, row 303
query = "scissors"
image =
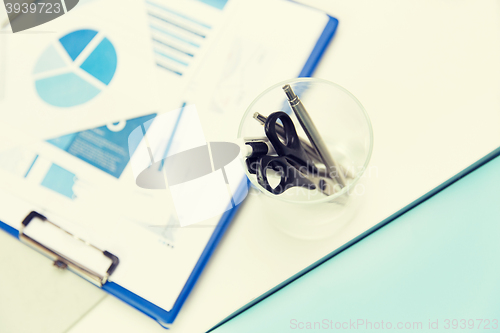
column 292, row 165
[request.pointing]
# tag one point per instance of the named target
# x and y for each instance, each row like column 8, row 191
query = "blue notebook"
column 157, row 313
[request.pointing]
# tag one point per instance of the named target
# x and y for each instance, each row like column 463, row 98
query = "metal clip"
column 62, row 261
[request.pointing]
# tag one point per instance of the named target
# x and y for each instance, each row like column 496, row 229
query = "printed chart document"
column 90, row 66
column 181, row 33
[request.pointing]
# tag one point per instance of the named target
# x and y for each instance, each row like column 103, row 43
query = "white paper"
column 250, row 55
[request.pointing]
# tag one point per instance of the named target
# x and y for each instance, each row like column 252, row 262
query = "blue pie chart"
column 76, row 72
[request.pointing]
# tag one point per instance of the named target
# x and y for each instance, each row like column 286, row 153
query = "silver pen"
column 313, row 135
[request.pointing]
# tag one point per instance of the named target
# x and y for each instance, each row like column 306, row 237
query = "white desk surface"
column 427, row 72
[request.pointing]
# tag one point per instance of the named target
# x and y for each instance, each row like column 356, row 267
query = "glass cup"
column 346, row 130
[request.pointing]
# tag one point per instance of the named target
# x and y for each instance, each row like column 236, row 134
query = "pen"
column 313, row 135
column 307, row 147
column 258, row 147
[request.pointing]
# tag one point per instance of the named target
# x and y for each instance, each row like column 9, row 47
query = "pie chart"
column 75, row 69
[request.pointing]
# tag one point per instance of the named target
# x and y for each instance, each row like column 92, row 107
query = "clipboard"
column 112, row 260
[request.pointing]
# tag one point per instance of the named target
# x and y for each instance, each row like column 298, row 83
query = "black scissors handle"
column 291, row 148
column 290, row 176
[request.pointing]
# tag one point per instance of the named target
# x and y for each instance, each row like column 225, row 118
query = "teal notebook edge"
column 495, row 153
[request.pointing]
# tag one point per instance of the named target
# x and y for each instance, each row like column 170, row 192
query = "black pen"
column 258, row 147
